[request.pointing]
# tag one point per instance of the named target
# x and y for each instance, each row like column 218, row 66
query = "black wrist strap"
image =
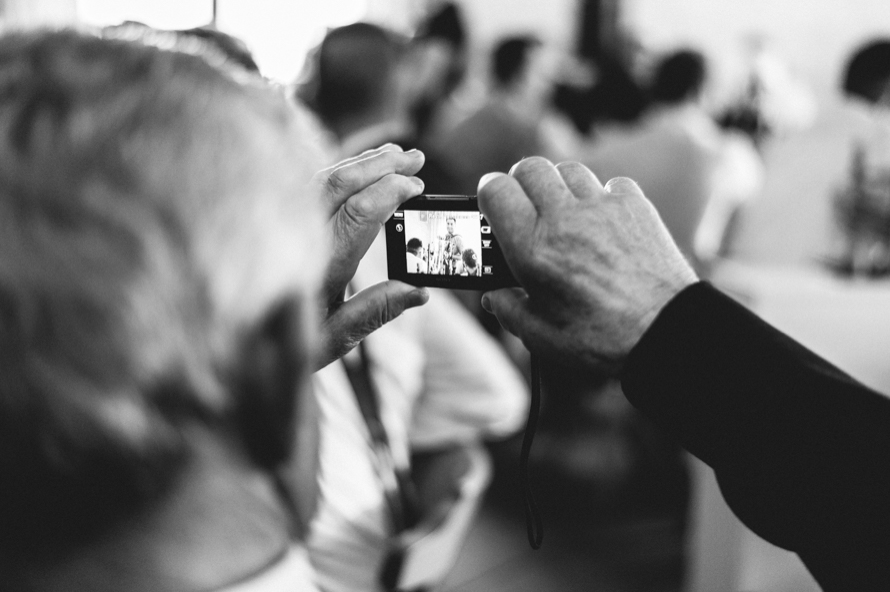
column 533, row 523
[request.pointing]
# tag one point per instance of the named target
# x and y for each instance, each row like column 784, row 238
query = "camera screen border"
column 500, row 275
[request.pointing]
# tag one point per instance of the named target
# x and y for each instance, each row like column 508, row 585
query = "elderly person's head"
column 157, row 268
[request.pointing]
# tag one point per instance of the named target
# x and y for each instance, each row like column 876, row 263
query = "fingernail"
column 419, row 296
column 486, row 179
column 486, row 302
column 419, row 182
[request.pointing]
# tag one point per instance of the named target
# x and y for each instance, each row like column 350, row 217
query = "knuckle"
column 359, row 210
column 336, row 181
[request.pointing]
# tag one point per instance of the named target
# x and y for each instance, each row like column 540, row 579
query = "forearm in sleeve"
column 801, row 450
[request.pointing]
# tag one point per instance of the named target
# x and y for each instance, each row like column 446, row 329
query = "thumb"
column 511, row 307
column 363, row 314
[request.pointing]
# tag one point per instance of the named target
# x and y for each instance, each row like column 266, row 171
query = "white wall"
column 553, row 20
column 16, row 14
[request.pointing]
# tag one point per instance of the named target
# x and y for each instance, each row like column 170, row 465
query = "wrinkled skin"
column 596, row 263
column 359, row 195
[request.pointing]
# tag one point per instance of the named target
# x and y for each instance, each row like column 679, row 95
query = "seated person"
column 470, row 263
column 414, row 256
column 675, row 150
column 159, row 304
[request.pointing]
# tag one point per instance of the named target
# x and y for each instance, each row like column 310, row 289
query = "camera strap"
column 398, row 489
column 533, row 523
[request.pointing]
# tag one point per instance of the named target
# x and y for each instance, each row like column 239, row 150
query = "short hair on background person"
column 510, row 59
column 469, row 257
column 130, row 263
column 867, row 72
column 678, row 77
column 355, row 68
column 235, row 49
column 414, row 244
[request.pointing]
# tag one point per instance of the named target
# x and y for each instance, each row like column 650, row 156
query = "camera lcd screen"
column 445, row 242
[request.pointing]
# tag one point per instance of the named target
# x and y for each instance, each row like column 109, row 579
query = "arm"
column 801, row 450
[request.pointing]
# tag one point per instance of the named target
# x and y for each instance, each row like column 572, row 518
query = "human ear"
column 271, row 381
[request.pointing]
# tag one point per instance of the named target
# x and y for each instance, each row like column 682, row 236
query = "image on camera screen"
column 445, row 243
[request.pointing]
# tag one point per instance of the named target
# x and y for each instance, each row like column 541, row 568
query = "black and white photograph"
column 445, row 243
column 444, row 296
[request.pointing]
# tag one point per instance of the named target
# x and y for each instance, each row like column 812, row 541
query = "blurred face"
column 539, row 73
column 450, row 225
column 425, row 68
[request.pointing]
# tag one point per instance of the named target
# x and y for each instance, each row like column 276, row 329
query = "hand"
column 597, row 264
column 359, row 195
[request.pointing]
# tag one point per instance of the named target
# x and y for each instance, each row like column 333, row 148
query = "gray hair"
column 134, row 247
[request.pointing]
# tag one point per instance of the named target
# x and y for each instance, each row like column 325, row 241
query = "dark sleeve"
column 800, row 449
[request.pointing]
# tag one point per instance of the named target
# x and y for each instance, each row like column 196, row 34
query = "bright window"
column 278, row 32
column 163, row 14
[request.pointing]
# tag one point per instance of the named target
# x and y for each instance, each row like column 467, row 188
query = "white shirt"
column 441, row 379
column 415, row 264
column 674, row 154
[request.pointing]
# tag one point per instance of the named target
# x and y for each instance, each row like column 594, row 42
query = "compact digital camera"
column 444, row 241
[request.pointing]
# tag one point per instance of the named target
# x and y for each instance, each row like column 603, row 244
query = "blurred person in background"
column 361, row 89
column 862, row 205
column 161, row 300
column 414, row 260
column 507, row 127
column 438, row 59
column 681, row 158
column 429, row 388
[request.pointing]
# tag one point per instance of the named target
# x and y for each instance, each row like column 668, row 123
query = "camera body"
column 444, row 241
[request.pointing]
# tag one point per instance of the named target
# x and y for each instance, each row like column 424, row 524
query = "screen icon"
column 486, row 244
column 485, row 229
column 486, row 270
column 399, row 228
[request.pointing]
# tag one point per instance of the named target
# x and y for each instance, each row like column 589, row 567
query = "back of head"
column 469, row 258
column 678, row 77
column 356, row 71
column 867, row 73
column 232, row 47
column 142, row 221
column 510, row 59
